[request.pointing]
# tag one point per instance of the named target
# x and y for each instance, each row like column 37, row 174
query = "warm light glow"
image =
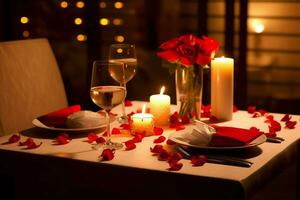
column 144, row 108
column 119, row 5
column 117, row 21
column 162, row 90
column 104, row 21
column 259, row 28
column 26, row 34
column 102, row 4
column 119, row 38
column 24, row 20
column 78, row 21
column 81, row 37
column 79, row 4
column 119, row 50
column 64, row 4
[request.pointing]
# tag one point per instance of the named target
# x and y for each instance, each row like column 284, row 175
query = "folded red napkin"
column 59, row 117
column 230, row 136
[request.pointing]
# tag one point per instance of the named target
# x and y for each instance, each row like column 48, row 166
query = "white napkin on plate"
column 85, row 119
column 198, row 134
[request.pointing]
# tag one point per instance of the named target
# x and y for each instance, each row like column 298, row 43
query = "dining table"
column 74, row 170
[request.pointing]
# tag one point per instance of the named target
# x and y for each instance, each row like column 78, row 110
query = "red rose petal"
column 185, row 119
column 175, row 157
column 128, row 103
column 61, row 140
column 271, row 134
column 157, row 131
column 198, row 160
column 115, row 131
column 130, row 145
column 251, row 109
column 100, row 140
column 30, row 144
column 27, row 141
column 92, row 137
column 157, row 149
column 286, row 118
column 104, row 134
column 170, row 142
column 275, row 125
column 180, row 127
column 262, row 112
column 159, row 139
column 13, row 139
column 107, row 154
column 175, row 166
column 290, row 124
column 235, row 108
column 125, row 126
column 174, row 118
column 33, row 145
column 163, row 155
column 138, row 137
column 269, row 118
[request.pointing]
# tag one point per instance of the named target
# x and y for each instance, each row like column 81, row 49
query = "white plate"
column 175, row 136
column 39, row 124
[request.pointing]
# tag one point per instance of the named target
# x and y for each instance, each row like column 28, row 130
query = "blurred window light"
column 117, row 21
column 259, row 28
column 78, row 21
column 119, row 5
column 26, row 34
column 119, row 38
column 64, row 4
column 24, row 20
column 81, row 37
column 119, row 50
column 104, row 21
column 79, row 4
column 102, row 4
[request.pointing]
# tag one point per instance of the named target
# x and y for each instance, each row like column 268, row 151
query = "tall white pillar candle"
column 160, row 108
column 222, row 71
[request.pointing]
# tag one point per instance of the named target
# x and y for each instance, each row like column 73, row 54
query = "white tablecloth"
column 75, row 167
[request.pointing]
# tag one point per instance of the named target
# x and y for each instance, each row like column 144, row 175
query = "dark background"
column 147, row 23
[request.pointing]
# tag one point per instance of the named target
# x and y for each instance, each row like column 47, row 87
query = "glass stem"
column 123, row 102
column 107, row 127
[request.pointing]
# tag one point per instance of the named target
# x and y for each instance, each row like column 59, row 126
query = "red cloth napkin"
column 230, row 136
column 59, row 117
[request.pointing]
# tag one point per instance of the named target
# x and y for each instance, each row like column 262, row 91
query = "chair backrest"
column 30, row 83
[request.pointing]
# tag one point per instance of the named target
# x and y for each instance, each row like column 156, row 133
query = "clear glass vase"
column 189, row 86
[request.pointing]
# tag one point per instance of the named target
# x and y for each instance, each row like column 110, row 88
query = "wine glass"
column 126, row 54
column 106, row 93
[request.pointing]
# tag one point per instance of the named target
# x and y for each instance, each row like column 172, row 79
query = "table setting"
column 206, row 144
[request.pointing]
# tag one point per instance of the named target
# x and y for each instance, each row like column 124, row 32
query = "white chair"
column 30, row 83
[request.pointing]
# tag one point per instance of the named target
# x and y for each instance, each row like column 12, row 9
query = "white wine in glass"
column 106, row 93
column 126, row 54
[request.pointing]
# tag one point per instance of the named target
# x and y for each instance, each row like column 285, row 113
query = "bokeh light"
column 81, row 37
column 24, row 20
column 64, row 4
column 104, row 21
column 80, row 4
column 78, row 21
column 119, row 38
column 119, row 5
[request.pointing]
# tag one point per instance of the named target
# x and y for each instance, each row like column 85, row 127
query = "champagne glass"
column 126, row 54
column 106, row 93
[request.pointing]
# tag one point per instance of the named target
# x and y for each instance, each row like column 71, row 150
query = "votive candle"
column 142, row 123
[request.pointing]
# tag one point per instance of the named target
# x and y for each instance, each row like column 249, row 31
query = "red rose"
column 188, row 50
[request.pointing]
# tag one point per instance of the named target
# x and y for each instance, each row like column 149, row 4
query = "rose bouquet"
column 187, row 55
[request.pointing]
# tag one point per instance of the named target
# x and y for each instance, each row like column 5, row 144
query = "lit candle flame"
column 144, row 108
column 162, row 90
